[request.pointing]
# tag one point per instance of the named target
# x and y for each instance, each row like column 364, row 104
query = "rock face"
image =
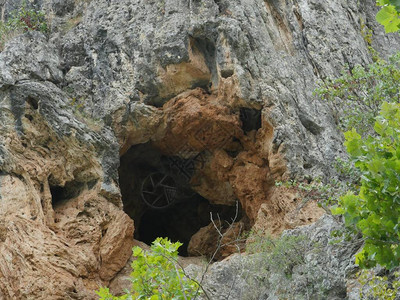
column 60, row 202
column 320, row 273
column 224, row 88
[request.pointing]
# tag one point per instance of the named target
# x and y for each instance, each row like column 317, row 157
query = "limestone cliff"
column 212, row 97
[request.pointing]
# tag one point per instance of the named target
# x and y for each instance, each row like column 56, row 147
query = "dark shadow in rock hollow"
column 181, row 216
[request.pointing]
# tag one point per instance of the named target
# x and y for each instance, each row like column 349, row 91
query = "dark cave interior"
column 160, row 200
column 71, row 189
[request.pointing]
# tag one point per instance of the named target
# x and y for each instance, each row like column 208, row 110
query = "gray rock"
column 29, row 57
column 322, row 273
column 276, row 51
column 62, row 7
column 29, row 74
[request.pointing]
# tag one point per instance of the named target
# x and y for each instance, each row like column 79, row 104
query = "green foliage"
column 105, row 294
column 78, row 105
column 280, row 255
column 28, row 19
column 20, row 21
column 271, row 264
column 367, row 35
column 327, row 192
column 375, row 210
column 378, row 287
column 157, row 275
column 388, row 16
column 358, row 93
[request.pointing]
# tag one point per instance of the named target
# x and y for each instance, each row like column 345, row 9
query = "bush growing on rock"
column 20, row 21
column 358, row 93
column 375, row 210
column 275, row 265
column 356, row 96
column 366, row 101
column 378, row 287
column 157, row 275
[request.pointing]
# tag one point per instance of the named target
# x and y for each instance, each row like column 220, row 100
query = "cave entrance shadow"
column 167, row 209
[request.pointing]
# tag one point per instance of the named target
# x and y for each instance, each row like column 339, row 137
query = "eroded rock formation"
column 214, row 95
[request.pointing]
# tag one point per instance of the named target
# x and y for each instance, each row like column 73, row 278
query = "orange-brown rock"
column 62, row 230
column 116, row 245
column 83, row 248
column 121, row 281
column 212, row 180
column 177, row 78
column 217, row 240
column 196, row 121
column 286, row 210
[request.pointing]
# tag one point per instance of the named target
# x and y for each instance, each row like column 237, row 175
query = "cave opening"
column 250, row 118
column 70, row 190
column 57, row 193
column 157, row 195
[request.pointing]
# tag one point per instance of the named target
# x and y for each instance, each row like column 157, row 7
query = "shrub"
column 275, row 265
column 20, row 21
column 157, row 275
column 375, row 210
column 378, row 287
column 359, row 92
column 279, row 255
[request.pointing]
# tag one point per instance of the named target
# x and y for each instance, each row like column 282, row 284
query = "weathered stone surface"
column 61, row 252
column 264, row 53
column 196, row 121
column 113, row 74
column 115, row 248
column 321, row 275
column 29, row 57
column 217, row 240
column 121, row 281
column 285, row 210
column 58, row 189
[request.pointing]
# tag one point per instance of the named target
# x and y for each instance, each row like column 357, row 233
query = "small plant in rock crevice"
column 77, row 105
column 275, row 261
column 326, row 192
column 378, row 287
column 20, row 21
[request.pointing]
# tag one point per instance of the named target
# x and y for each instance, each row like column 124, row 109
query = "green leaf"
column 353, row 142
column 395, row 3
column 137, row 251
column 389, row 18
column 154, row 275
column 337, row 210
